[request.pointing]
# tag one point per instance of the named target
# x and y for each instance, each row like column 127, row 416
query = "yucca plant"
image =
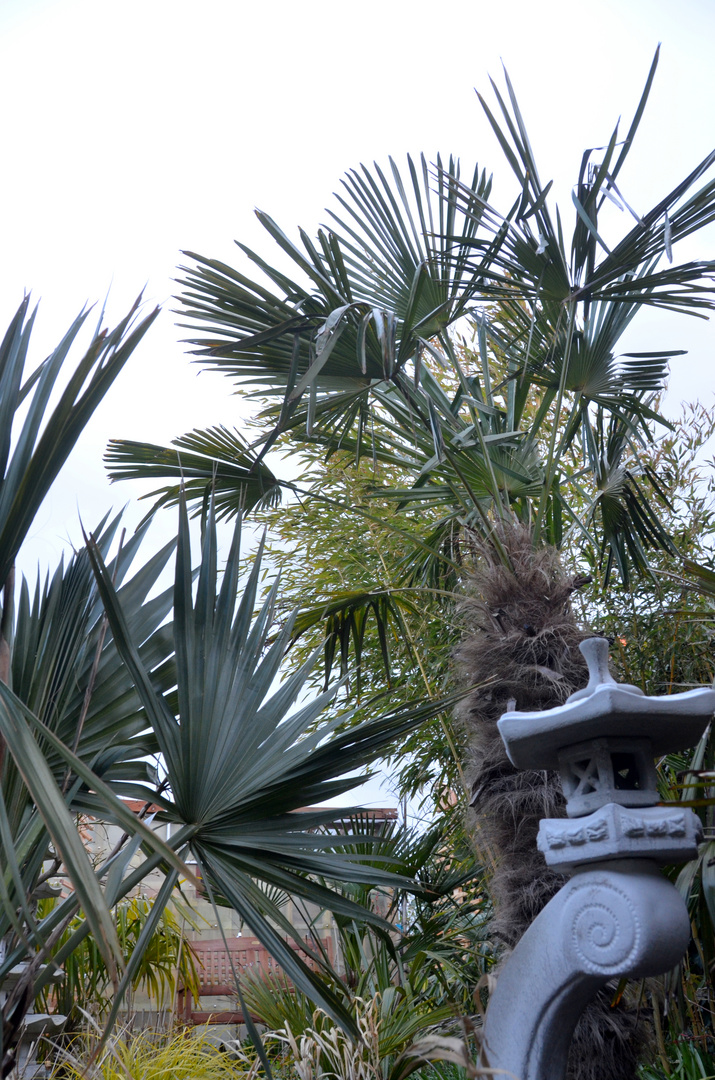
column 57, row 723
column 392, row 1046
column 323, row 1048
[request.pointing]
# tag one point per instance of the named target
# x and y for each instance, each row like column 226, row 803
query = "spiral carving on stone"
column 603, row 928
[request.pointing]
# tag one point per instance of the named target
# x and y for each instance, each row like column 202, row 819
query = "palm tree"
column 532, row 440
column 241, row 756
column 55, row 666
column 88, row 714
column 353, row 345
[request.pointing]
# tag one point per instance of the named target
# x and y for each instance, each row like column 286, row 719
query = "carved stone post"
column 617, row 916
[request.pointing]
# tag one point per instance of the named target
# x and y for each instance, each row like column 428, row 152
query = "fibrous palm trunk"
column 521, row 650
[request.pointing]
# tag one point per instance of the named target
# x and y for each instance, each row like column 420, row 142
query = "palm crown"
column 540, row 417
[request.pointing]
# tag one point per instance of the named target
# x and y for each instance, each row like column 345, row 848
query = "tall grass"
column 182, row 1055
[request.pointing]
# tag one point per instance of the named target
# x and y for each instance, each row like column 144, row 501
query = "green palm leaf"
column 395, row 274
column 215, row 461
column 43, row 442
column 241, row 758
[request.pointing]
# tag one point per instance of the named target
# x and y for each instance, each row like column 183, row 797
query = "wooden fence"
column 215, row 966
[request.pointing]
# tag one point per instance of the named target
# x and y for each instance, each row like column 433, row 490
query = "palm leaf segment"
column 241, row 757
column 397, row 275
column 66, row 669
column 33, row 451
column 216, row 462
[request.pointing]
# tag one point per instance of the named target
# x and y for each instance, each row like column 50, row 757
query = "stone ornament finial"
column 595, row 652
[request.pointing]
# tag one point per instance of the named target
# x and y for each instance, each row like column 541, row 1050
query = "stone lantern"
column 617, row 916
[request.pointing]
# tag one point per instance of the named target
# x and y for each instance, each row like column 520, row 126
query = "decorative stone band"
column 660, row 833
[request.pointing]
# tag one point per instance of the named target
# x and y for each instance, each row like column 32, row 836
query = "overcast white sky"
column 133, row 130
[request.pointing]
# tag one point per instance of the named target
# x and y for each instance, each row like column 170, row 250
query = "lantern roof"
column 606, row 710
